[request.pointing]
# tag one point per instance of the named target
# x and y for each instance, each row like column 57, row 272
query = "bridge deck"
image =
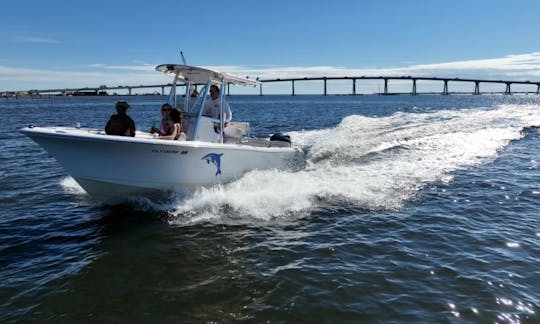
column 354, row 79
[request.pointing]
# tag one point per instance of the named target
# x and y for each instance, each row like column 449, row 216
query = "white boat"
column 111, row 167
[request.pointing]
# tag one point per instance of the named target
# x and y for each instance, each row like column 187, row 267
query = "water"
column 411, row 209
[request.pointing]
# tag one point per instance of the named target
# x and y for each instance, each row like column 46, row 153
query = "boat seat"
column 235, row 131
column 241, row 128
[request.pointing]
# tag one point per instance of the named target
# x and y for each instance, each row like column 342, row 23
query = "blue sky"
column 50, row 44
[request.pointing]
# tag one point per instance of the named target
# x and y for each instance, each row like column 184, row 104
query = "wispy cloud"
column 511, row 67
column 25, row 79
column 35, row 40
column 145, row 67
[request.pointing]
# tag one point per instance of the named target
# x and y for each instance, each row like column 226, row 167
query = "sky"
column 59, row 44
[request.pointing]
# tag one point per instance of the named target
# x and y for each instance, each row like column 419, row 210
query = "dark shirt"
column 120, row 124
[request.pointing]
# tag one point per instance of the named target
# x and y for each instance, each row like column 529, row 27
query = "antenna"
column 183, row 58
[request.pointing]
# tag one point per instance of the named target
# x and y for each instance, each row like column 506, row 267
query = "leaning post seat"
column 235, row 131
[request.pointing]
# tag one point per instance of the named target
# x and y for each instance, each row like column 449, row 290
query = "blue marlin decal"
column 214, row 158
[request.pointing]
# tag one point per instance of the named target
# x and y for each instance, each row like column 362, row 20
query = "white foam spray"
column 69, row 185
column 365, row 162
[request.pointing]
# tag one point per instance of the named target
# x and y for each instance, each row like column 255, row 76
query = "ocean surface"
column 411, row 209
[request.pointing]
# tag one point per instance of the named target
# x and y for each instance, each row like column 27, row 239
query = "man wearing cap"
column 120, row 123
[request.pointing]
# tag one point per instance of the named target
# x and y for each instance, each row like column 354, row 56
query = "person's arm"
column 181, row 126
column 227, row 114
column 131, row 127
column 108, row 127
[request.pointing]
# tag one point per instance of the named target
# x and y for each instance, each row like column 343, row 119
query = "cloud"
column 512, row 67
column 145, row 67
column 25, row 79
column 35, row 40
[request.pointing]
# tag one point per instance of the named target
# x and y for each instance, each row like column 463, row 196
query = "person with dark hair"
column 176, row 129
column 165, row 126
column 120, row 123
column 212, row 106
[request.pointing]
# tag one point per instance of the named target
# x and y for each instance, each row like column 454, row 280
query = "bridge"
column 85, row 91
column 413, row 80
column 445, row 81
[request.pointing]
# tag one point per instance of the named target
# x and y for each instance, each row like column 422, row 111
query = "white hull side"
column 113, row 166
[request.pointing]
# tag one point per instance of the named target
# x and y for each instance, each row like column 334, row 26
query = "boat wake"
column 375, row 163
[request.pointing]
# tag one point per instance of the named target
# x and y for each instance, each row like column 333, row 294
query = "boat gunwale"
column 93, row 134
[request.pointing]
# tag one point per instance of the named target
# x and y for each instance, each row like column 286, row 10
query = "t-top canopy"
column 195, row 74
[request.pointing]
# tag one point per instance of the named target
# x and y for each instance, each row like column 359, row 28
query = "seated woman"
column 165, row 126
column 176, row 129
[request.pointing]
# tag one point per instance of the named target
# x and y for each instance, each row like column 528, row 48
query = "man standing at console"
column 213, row 104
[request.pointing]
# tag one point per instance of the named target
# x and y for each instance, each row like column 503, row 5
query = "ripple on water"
column 431, row 217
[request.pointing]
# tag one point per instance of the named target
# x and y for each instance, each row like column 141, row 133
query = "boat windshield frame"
column 192, row 76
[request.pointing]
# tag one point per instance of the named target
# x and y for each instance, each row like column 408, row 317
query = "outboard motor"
column 280, row 140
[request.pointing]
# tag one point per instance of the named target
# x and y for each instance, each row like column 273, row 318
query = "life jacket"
column 179, row 130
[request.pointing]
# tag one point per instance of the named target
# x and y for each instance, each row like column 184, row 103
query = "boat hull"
column 109, row 167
